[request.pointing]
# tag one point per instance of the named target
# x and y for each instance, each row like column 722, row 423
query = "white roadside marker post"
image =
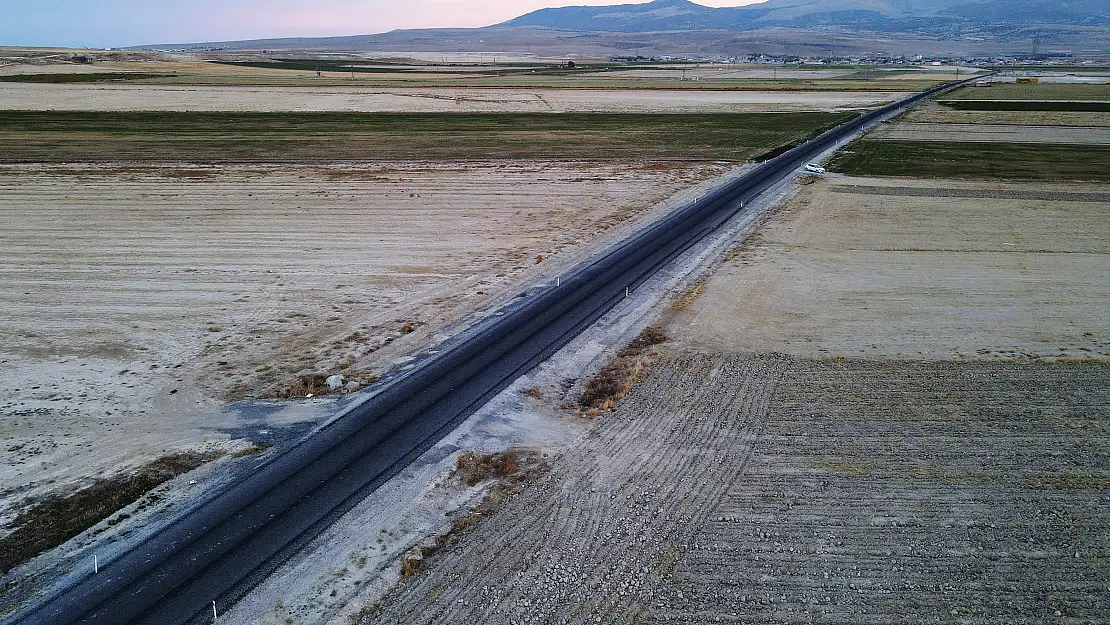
column 627, row 292
column 96, row 564
column 215, row 617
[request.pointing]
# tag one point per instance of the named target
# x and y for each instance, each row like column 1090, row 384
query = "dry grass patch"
column 473, row 467
column 303, row 386
column 316, row 384
column 615, row 379
column 50, row 522
column 689, row 297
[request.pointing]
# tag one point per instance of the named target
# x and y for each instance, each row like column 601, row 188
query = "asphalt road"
column 219, row 548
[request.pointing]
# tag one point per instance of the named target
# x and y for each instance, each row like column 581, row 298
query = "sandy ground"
column 984, row 132
column 137, row 299
column 931, row 112
column 124, row 97
column 863, row 268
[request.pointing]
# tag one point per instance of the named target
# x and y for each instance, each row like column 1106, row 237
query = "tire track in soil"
column 598, row 537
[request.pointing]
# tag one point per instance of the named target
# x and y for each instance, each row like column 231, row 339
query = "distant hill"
column 832, row 28
column 940, row 17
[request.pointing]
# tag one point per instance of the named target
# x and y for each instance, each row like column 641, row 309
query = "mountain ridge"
column 821, row 28
column 942, row 17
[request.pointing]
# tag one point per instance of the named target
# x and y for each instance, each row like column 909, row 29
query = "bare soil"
column 986, row 132
column 138, row 300
column 124, row 97
column 763, row 489
column 880, row 268
column 931, row 112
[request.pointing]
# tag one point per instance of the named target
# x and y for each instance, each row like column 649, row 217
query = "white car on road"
column 815, row 168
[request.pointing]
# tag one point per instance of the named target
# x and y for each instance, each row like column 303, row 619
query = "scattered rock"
column 334, row 382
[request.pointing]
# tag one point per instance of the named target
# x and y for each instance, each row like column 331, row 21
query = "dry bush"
column 608, row 383
column 411, row 565
column 408, row 328
column 807, row 180
column 304, row 385
column 316, row 383
column 649, row 337
column 615, row 379
column 54, row 520
column 534, row 393
column 507, row 464
column 472, row 467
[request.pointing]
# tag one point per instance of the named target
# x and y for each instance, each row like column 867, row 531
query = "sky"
column 121, row 23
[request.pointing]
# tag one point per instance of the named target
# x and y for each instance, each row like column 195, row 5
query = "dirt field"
column 126, row 97
column 931, row 112
column 1049, row 91
column 951, row 468
column 137, row 299
column 876, row 268
column 742, row 489
column 985, row 132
